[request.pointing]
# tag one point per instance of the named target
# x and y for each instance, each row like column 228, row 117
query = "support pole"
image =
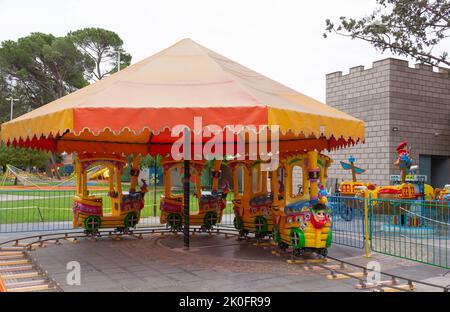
column 366, row 199
column 186, row 185
column 155, row 175
column 186, row 188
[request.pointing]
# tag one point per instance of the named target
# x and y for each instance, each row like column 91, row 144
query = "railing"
column 347, row 220
column 51, row 210
column 35, row 210
column 411, row 229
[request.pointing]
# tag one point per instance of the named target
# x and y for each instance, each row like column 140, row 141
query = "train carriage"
column 302, row 219
column 210, row 203
column 88, row 210
column 252, row 203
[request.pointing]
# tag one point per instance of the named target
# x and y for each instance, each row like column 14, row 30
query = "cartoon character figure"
column 319, row 218
column 404, row 159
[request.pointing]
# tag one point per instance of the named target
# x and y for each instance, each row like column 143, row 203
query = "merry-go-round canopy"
column 134, row 110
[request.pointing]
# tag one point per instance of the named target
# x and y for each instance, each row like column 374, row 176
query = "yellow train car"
column 349, row 188
column 302, row 219
column 443, row 194
column 252, row 203
column 210, row 203
column 88, row 210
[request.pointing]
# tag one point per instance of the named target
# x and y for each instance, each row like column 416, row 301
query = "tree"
column 22, row 158
column 41, row 68
column 411, row 28
column 4, row 93
column 101, row 47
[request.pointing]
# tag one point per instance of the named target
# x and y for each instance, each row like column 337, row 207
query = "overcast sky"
column 281, row 39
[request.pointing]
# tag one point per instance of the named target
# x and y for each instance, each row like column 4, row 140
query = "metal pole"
column 366, row 199
column 154, row 184
column 12, row 105
column 186, row 185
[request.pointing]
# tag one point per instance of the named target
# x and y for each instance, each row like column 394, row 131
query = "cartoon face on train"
column 298, row 220
column 320, row 216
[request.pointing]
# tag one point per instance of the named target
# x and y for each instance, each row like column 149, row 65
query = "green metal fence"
column 348, row 220
column 411, row 229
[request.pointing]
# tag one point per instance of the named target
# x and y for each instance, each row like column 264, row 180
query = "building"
column 397, row 103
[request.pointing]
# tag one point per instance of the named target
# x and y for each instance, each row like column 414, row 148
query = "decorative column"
column 274, row 187
column 313, row 176
column 216, row 175
column 264, row 181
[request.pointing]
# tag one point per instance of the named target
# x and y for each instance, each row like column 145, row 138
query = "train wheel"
column 174, row 221
column 92, row 224
column 297, row 239
column 243, row 232
column 276, row 237
column 131, row 220
column 322, row 251
column 238, row 223
column 210, row 219
column 261, row 225
column 299, row 252
column 283, row 245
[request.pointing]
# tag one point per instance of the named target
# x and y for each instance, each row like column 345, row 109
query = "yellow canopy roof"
column 170, row 88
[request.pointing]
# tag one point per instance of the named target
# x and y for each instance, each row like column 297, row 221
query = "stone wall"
column 363, row 94
column 414, row 102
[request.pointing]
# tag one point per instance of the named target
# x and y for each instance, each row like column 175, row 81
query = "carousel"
column 191, row 94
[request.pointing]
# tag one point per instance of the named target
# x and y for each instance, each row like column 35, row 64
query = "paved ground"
column 157, row 263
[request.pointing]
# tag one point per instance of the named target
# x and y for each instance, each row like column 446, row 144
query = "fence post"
column 366, row 224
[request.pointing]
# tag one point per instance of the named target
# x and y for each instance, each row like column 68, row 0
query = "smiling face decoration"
column 320, row 216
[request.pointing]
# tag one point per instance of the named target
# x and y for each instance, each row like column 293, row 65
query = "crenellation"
column 392, row 94
column 423, row 66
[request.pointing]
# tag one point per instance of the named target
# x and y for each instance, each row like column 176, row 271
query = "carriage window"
column 240, row 172
column 269, row 185
column 256, row 180
column 176, row 182
column 206, row 179
column 297, row 181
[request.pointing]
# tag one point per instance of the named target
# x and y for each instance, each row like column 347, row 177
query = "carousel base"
column 160, row 263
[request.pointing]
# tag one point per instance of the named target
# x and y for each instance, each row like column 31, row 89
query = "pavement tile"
column 143, row 265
